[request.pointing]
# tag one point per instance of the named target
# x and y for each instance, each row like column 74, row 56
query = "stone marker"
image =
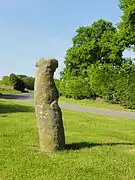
column 48, row 112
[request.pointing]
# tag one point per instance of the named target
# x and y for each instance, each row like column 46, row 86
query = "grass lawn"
column 102, row 147
column 8, row 91
column 98, row 103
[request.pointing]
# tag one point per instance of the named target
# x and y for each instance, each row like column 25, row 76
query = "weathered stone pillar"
column 48, row 112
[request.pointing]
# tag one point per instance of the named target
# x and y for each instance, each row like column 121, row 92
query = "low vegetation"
column 99, row 147
column 6, row 89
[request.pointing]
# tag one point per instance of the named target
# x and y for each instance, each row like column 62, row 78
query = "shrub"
column 13, row 78
column 29, row 82
column 19, row 85
column 76, row 88
column 6, row 80
column 116, row 85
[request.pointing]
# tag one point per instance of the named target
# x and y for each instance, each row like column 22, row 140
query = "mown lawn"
column 8, row 91
column 101, row 147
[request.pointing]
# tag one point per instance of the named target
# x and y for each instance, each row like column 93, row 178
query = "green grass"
column 102, row 147
column 98, row 103
column 8, row 91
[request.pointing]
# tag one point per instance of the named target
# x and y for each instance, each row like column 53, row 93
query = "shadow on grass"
column 12, row 108
column 81, row 145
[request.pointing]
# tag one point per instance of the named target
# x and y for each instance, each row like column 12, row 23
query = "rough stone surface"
column 48, row 112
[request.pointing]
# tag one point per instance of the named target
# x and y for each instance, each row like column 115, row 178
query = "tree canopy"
column 97, row 42
column 127, row 25
column 95, row 66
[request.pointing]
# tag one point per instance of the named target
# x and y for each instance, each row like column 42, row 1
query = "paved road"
column 108, row 112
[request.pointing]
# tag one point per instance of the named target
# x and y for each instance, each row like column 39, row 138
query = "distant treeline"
column 19, row 82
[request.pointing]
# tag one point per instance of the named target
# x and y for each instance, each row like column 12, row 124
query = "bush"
column 6, row 80
column 76, row 88
column 29, row 82
column 116, row 85
column 13, row 78
column 19, row 85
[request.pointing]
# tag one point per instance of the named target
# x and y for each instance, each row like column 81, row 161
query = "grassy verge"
column 98, row 103
column 5, row 89
column 102, row 147
column 8, row 91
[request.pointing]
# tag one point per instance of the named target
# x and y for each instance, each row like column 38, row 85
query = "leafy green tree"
column 20, row 76
column 13, row 78
column 114, row 84
column 19, row 85
column 127, row 25
column 29, row 82
column 6, row 80
column 17, row 82
column 98, row 42
column 77, row 88
column 94, row 65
